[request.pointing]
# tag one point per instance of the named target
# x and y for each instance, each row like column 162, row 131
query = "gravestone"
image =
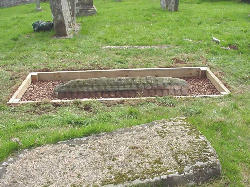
column 64, row 14
column 38, row 7
column 171, row 5
column 164, row 4
column 85, row 8
column 9, row 3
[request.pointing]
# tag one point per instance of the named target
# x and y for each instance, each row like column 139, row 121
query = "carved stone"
column 85, row 8
column 64, row 14
column 171, row 5
column 38, row 7
column 122, row 87
column 164, row 4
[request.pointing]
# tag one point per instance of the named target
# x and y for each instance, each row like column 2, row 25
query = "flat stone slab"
column 164, row 153
column 137, row 47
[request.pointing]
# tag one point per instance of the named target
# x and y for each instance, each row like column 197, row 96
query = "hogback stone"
column 122, row 87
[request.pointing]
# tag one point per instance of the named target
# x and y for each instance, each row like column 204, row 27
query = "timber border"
column 180, row 72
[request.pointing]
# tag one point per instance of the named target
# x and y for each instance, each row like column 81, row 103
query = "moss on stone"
column 119, row 84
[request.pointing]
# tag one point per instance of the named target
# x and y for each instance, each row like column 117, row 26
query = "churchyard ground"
column 224, row 121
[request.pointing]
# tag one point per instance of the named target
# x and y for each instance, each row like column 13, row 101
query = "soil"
column 43, row 90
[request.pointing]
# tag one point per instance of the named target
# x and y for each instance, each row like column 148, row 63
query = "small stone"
column 10, row 159
column 216, row 40
column 16, row 140
column 5, row 164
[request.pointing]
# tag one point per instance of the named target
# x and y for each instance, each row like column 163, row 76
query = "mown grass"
column 224, row 121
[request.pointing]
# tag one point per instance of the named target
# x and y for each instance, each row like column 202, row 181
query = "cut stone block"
column 164, row 4
column 161, row 153
column 38, row 7
column 85, row 8
column 143, row 86
column 64, row 14
column 171, row 5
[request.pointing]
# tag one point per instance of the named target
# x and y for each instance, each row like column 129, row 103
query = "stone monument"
column 38, row 7
column 64, row 17
column 171, row 5
column 85, row 8
column 122, row 87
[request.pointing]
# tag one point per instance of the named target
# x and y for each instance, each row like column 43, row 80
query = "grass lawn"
column 224, row 121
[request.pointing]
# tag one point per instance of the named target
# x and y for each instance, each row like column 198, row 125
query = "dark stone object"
column 42, row 26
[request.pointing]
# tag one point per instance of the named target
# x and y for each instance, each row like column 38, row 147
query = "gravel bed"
column 43, row 90
column 161, row 152
column 201, row 86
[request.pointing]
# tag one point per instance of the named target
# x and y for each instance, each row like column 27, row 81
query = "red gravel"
column 201, row 86
column 40, row 90
column 43, row 90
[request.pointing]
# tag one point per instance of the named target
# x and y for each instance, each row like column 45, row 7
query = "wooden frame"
column 160, row 72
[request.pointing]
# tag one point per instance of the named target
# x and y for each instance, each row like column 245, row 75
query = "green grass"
column 224, row 121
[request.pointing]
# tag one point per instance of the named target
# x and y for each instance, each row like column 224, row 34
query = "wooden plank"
column 217, row 83
column 21, row 90
column 159, row 72
column 34, row 77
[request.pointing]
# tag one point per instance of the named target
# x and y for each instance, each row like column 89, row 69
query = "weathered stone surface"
column 38, row 7
column 122, row 87
column 8, row 3
column 63, row 12
column 160, row 153
column 164, row 4
column 171, row 5
column 85, row 8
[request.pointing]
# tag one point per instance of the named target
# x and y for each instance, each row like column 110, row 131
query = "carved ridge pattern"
column 125, row 87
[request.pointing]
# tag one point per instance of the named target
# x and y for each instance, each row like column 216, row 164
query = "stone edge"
column 189, row 177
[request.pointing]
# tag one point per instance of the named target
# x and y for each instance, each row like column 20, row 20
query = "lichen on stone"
column 120, row 84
